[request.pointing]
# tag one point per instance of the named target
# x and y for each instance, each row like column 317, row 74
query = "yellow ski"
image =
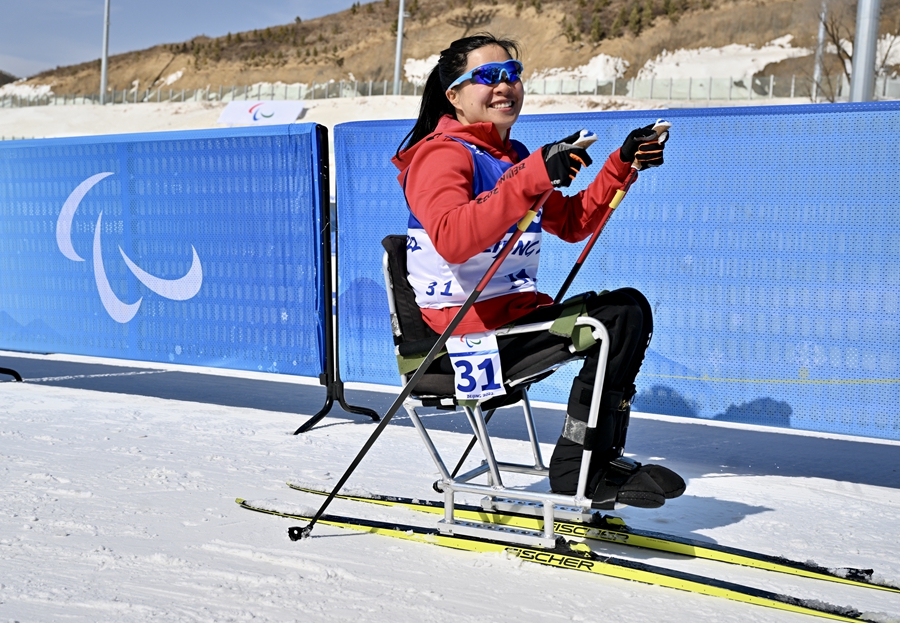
column 564, row 556
column 613, row 530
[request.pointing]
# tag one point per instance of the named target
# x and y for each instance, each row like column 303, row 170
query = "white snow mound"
column 417, row 70
column 286, row 508
column 601, row 67
column 173, row 77
column 734, row 60
column 25, row 90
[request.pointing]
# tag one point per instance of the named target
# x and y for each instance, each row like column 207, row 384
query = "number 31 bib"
column 476, row 362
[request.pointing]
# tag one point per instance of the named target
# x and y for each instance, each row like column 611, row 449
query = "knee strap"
column 575, row 427
column 582, row 336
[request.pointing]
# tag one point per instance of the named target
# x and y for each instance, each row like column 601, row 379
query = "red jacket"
column 438, row 171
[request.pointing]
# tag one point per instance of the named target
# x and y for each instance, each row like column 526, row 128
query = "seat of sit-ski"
column 416, row 337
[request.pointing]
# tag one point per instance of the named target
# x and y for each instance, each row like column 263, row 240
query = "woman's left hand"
column 644, row 148
column 564, row 160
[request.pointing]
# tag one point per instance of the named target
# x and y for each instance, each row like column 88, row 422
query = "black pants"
column 625, row 313
column 627, row 316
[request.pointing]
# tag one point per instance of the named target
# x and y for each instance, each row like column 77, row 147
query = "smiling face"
column 499, row 103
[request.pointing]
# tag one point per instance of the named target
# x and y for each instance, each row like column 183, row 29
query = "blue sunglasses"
column 492, row 73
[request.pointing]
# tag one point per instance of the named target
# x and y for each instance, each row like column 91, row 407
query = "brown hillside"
column 6, row 78
column 360, row 41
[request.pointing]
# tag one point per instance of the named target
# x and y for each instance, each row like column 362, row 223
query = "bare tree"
column 473, row 19
column 840, row 29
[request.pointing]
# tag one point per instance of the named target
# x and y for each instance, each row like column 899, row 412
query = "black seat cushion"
column 417, row 338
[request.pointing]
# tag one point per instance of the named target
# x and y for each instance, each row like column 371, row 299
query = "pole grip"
column 620, row 194
column 526, row 220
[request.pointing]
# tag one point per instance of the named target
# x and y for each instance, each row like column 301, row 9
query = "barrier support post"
column 12, row 373
column 331, row 377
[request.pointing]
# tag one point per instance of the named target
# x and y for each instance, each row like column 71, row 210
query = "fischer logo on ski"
column 549, row 558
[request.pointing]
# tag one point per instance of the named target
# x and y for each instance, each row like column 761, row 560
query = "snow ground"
column 121, row 508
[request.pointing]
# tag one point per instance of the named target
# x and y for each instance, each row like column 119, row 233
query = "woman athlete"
column 467, row 184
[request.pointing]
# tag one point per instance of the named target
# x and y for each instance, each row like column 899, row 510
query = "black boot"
column 671, row 484
column 611, row 477
column 565, row 463
column 625, row 482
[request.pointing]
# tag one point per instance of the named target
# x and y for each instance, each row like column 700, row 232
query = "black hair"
column 450, row 66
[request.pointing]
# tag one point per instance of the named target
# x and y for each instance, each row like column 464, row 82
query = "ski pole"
column 660, row 127
column 296, row 533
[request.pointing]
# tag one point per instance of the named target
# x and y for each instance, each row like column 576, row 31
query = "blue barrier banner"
column 767, row 245
column 198, row 247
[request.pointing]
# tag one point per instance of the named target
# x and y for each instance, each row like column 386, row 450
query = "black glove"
column 564, row 160
column 643, row 146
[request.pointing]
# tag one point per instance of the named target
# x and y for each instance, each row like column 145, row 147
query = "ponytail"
column 450, row 66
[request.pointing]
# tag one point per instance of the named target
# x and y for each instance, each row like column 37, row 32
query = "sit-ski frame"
column 499, row 497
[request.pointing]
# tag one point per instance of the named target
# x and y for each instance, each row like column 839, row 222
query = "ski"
column 576, row 557
column 613, row 530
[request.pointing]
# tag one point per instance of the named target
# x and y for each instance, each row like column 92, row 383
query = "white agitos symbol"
column 175, row 289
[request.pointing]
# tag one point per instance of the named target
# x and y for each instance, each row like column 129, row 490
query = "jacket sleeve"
column 574, row 218
column 439, row 190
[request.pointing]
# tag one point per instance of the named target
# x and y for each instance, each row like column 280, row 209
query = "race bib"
column 476, row 362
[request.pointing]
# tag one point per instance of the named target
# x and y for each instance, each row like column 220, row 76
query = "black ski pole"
column 296, row 533
column 659, row 127
column 620, row 194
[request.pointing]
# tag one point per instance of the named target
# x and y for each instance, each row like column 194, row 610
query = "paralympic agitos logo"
column 257, row 112
column 180, row 289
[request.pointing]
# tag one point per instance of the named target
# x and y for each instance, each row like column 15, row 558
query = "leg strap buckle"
column 611, row 480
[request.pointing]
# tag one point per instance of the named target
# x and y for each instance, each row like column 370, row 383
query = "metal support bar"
column 862, row 83
column 476, row 420
column 429, row 443
column 104, row 60
column 532, row 432
column 399, row 51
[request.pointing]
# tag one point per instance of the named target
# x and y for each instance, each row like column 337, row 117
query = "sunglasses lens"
column 496, row 73
column 485, row 75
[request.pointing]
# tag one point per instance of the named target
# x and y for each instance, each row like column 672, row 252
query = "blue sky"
column 41, row 34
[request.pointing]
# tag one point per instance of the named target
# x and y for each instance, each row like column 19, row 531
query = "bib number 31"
column 476, row 362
